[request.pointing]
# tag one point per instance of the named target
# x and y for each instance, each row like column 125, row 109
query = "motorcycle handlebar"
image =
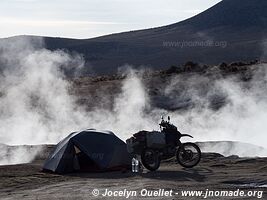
column 163, row 123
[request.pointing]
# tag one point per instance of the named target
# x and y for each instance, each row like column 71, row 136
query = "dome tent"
column 88, row 150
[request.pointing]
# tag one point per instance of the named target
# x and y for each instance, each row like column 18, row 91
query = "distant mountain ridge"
column 241, row 25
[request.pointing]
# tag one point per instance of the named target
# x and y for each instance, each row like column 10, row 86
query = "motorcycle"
column 154, row 146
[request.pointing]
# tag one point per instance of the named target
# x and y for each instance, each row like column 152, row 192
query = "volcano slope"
column 229, row 31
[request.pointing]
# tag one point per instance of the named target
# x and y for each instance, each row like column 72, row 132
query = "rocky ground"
column 170, row 89
column 214, row 173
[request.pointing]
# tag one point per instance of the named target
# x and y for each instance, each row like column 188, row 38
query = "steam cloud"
column 243, row 118
column 35, row 103
column 36, row 106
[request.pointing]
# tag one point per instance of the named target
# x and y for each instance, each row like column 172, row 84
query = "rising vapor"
column 37, row 107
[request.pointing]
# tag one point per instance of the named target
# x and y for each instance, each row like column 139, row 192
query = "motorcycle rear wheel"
column 150, row 159
column 188, row 156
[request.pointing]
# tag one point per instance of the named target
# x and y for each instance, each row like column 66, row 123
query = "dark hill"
column 232, row 30
column 231, row 13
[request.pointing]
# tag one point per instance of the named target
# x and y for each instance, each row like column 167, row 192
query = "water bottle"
column 133, row 164
column 136, row 165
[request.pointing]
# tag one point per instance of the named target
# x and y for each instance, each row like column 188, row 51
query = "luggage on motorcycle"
column 133, row 145
column 130, row 144
column 140, row 136
column 155, row 139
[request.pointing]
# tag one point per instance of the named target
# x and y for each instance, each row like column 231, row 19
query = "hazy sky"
column 90, row 18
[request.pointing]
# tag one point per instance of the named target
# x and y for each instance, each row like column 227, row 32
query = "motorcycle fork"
column 180, row 145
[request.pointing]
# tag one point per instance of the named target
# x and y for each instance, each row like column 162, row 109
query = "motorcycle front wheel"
column 189, row 155
column 150, row 159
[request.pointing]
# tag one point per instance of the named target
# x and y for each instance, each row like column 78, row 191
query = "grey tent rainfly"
column 88, row 150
